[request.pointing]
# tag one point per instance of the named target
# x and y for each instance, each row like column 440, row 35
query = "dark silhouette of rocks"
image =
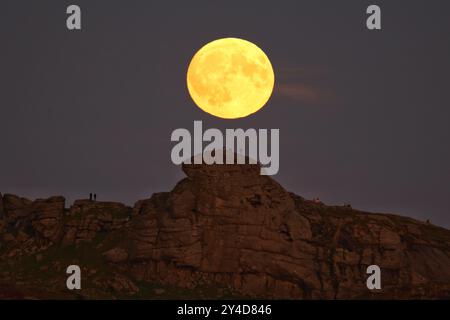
column 227, row 227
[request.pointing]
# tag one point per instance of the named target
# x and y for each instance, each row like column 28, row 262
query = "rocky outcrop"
column 227, row 226
column 41, row 218
column 48, row 214
column 15, row 207
column 36, row 225
column 30, row 226
column 86, row 219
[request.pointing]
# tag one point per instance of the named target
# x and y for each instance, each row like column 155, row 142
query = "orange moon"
column 230, row 78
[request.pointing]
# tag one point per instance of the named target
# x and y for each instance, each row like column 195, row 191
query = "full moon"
column 230, row 78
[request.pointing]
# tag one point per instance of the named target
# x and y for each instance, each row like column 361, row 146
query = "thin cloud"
column 302, row 84
column 298, row 92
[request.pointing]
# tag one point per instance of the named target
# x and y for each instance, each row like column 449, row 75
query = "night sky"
column 363, row 115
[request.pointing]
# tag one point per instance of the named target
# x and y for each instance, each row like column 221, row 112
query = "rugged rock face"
column 33, row 226
column 15, row 207
column 47, row 219
column 232, row 226
column 87, row 219
column 30, row 226
column 227, row 226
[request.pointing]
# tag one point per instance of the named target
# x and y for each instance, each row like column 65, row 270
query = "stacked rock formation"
column 228, row 226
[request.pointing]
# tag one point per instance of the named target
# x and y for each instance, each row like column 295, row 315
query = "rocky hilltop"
column 223, row 231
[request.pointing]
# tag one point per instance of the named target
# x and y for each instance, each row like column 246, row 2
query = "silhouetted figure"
column 428, row 221
column 90, row 196
column 95, row 197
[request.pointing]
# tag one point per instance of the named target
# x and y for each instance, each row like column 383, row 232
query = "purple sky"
column 363, row 115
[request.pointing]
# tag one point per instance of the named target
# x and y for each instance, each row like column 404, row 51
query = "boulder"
column 15, row 207
column 47, row 217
